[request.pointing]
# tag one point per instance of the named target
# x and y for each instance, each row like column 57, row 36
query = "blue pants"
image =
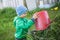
column 21, row 39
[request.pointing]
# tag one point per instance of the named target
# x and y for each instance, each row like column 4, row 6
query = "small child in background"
column 21, row 23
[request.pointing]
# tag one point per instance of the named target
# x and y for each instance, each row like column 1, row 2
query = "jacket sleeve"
column 21, row 24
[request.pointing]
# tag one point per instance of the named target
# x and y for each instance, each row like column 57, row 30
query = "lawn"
column 6, row 22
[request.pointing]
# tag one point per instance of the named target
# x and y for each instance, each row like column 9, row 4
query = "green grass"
column 6, row 21
column 6, row 24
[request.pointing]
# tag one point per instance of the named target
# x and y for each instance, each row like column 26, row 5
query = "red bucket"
column 42, row 21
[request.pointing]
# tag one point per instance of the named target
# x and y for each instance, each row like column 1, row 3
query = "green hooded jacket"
column 22, row 25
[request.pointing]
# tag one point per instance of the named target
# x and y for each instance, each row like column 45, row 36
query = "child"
column 21, row 23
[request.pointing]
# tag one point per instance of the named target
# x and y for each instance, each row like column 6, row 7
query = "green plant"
column 7, row 29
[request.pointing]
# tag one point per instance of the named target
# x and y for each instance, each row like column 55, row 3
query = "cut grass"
column 6, row 22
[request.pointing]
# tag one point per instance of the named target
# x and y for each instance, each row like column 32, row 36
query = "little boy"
column 21, row 23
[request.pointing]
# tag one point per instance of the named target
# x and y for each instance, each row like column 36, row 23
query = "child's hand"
column 35, row 15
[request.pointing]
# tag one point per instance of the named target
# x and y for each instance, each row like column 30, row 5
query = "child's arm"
column 28, row 24
column 20, row 24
